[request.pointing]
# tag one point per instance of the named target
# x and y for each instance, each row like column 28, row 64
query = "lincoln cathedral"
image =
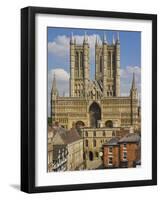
column 95, row 107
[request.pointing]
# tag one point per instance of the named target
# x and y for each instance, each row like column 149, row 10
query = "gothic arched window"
column 81, row 59
column 76, row 59
column 94, row 114
column 100, row 64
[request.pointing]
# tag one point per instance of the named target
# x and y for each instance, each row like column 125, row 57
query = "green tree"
column 49, row 121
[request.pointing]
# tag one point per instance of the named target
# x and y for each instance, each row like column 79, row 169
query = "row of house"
column 122, row 153
column 65, row 149
column 68, row 149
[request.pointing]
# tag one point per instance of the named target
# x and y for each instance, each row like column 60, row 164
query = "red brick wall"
column 117, row 155
column 132, row 153
column 114, row 154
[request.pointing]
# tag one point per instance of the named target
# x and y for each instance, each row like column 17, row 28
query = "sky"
column 59, row 58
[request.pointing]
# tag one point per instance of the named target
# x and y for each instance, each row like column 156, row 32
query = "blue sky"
column 58, row 56
column 130, row 46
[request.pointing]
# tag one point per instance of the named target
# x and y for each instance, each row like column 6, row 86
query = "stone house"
column 74, row 146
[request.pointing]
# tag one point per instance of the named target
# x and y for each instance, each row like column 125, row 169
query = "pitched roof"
column 113, row 141
column 131, row 137
column 68, row 136
column 51, row 132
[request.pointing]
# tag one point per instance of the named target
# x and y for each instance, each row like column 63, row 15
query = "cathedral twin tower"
column 107, row 69
column 95, row 103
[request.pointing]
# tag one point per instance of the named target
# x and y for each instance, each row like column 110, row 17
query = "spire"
column 54, row 82
column 113, row 40
column 118, row 37
column 72, row 38
column 133, row 91
column 54, row 88
column 96, row 42
column 104, row 38
column 85, row 38
column 133, row 82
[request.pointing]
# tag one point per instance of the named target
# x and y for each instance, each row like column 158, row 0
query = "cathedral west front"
column 95, row 106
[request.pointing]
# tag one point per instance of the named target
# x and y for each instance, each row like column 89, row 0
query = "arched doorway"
column 90, row 155
column 109, row 124
column 94, row 114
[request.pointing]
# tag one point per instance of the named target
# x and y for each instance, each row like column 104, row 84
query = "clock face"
column 100, row 153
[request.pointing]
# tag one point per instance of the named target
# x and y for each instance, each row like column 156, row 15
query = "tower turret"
column 86, row 63
column 72, row 40
column 104, row 38
column 133, row 91
column 105, row 61
column 118, row 37
column 85, row 41
column 117, row 61
column 98, row 60
column 113, row 40
column 134, row 102
column 72, row 64
column 54, row 91
column 96, row 41
column 54, row 95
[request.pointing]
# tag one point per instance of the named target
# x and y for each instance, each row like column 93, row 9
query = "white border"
column 145, row 172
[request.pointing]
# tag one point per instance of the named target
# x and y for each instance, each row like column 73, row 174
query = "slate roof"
column 113, row 141
column 128, row 138
column 131, row 137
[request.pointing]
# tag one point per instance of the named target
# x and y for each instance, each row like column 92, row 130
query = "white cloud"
column 126, row 75
column 62, row 80
column 60, row 74
column 60, row 46
column 62, row 83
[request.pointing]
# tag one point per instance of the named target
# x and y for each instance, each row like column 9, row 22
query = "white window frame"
column 124, row 152
column 110, row 152
column 110, row 164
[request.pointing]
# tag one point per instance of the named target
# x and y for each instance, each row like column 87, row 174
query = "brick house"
column 111, row 153
column 124, row 152
column 129, row 150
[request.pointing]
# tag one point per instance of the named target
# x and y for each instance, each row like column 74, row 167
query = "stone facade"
column 95, row 106
column 93, row 141
column 75, row 156
column 74, row 145
column 95, row 102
